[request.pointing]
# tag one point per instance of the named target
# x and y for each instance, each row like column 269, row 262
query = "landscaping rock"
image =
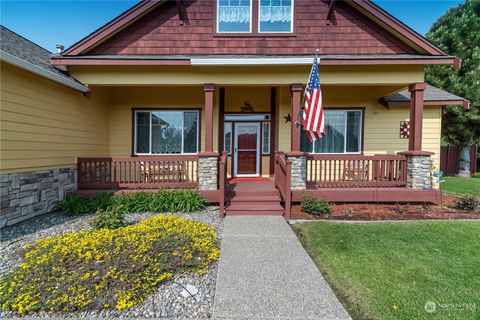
column 167, row 302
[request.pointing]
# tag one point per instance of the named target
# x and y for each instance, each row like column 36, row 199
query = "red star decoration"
column 288, row 118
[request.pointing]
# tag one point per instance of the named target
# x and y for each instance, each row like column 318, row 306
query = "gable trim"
column 383, row 17
column 112, row 27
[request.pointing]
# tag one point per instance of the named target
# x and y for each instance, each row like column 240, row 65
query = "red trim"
column 186, row 62
column 119, row 62
column 398, row 26
column 113, row 26
column 295, row 89
column 416, row 116
column 209, row 89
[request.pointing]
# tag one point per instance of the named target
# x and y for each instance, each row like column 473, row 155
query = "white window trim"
column 150, row 132
column 218, row 20
column 360, row 136
column 291, row 19
column 231, row 137
column 268, row 136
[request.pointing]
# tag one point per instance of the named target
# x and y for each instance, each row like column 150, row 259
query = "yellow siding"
column 126, row 98
column 244, row 75
column 258, row 97
column 47, row 125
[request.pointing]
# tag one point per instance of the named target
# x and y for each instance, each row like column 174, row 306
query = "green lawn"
column 390, row 270
column 460, row 186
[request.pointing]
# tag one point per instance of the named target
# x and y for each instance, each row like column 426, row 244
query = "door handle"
column 236, row 149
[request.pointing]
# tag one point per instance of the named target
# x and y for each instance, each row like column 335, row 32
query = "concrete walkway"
column 264, row 273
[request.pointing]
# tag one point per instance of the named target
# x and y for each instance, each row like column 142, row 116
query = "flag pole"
column 297, row 122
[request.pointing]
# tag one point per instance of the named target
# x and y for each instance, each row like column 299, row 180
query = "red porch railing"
column 283, row 175
column 222, row 182
column 167, row 171
column 332, row 171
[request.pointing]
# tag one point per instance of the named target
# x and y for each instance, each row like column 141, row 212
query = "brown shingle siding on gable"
column 160, row 32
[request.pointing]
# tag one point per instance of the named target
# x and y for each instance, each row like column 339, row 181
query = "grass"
column 461, row 186
column 390, row 270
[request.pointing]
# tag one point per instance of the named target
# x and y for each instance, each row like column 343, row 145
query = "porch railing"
column 356, row 171
column 283, row 176
column 222, row 182
column 167, row 171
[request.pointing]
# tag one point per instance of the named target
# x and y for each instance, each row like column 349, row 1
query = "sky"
column 48, row 23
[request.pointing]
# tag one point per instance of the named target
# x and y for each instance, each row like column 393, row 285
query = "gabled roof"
column 432, row 96
column 21, row 52
column 366, row 7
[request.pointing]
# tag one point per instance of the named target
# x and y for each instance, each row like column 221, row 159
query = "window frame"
column 361, row 135
column 254, row 24
column 275, row 32
column 269, row 124
column 150, row 111
column 217, row 21
column 230, row 123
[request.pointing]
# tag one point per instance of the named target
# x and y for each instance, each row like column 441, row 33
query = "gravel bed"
column 174, row 298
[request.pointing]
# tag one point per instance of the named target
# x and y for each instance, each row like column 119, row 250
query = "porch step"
column 252, row 193
column 245, row 198
column 255, row 208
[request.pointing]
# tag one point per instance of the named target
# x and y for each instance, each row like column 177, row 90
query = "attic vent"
column 60, row 48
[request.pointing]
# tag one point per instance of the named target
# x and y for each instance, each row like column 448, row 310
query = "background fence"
column 449, row 160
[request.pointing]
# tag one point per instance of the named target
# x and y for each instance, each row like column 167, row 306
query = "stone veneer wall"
column 207, row 173
column 28, row 194
column 299, row 172
column 419, row 172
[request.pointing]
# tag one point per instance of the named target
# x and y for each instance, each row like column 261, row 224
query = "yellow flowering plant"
column 103, row 269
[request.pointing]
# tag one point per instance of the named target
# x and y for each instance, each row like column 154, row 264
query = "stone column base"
column 419, row 169
column 208, row 172
column 299, row 170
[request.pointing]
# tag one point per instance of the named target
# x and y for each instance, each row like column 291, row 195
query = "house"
column 193, row 93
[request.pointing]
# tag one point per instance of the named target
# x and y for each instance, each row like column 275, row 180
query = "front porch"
column 203, row 139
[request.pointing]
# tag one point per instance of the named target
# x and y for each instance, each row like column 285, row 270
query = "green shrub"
column 75, row 205
column 111, row 218
column 105, row 269
column 316, row 206
column 469, row 203
column 104, row 201
column 136, row 202
column 176, row 201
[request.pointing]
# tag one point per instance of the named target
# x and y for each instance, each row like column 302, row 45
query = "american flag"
column 313, row 120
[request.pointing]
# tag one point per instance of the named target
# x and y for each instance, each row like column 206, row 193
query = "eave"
column 327, row 60
column 25, row 65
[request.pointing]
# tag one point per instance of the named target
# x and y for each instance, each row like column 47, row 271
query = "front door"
column 247, row 149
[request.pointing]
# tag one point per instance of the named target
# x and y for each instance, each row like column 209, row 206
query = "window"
column 227, row 140
column 275, row 16
column 343, row 133
column 166, row 132
column 266, row 137
column 234, row 16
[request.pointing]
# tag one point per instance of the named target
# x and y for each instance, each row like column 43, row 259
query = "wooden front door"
column 247, row 149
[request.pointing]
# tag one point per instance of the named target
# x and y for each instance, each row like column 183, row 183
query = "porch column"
column 295, row 89
column 209, row 88
column 416, row 116
column 419, row 163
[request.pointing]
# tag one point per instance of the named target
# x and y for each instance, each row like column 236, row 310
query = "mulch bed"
column 388, row 211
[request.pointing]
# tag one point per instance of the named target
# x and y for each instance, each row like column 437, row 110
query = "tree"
column 458, row 33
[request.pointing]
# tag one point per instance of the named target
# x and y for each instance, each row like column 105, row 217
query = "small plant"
column 75, row 205
column 111, row 218
column 426, row 207
column 104, row 201
column 398, row 208
column 316, row 206
column 468, row 203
